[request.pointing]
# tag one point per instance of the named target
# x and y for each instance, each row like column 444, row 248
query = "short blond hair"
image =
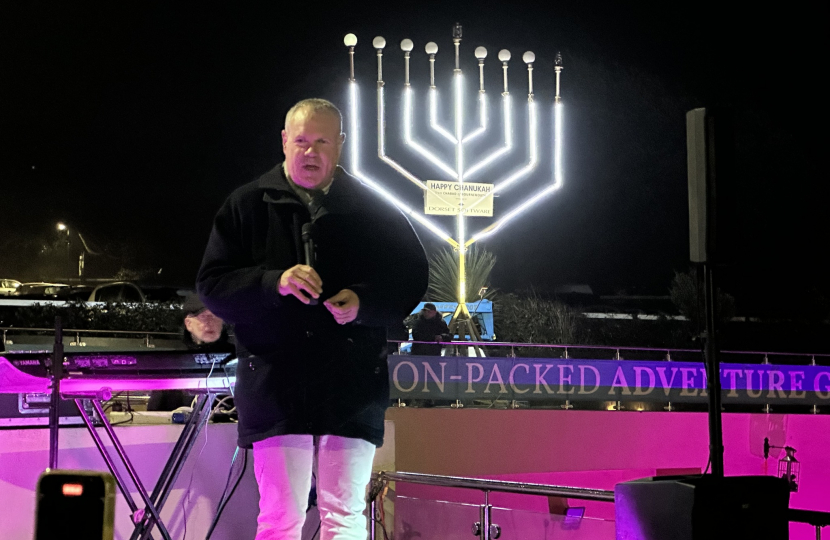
column 314, row 106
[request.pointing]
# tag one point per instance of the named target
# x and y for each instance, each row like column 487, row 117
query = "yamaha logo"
column 25, row 362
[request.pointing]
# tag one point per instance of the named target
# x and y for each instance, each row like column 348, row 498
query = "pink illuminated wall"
column 598, row 449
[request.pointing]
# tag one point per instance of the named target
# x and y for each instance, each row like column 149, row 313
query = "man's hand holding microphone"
column 303, row 282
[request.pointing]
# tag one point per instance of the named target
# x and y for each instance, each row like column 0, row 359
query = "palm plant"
column 443, row 274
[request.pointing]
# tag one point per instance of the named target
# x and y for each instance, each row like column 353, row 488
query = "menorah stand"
column 462, row 324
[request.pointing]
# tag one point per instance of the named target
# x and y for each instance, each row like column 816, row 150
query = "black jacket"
column 424, row 329
column 299, row 371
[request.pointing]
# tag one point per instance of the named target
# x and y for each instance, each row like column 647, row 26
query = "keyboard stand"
column 97, row 389
column 148, row 517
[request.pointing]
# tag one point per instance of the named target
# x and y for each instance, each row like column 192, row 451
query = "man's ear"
column 342, row 138
column 188, row 324
column 284, row 141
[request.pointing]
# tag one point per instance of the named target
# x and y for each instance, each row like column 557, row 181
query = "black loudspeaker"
column 702, row 507
column 710, row 154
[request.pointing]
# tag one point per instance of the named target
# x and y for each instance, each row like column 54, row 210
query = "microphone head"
column 308, row 231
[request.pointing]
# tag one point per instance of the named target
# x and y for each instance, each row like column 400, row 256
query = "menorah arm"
column 410, row 141
column 482, row 119
column 433, row 117
column 354, row 139
column 533, row 160
column 519, row 210
column 507, row 118
column 533, row 148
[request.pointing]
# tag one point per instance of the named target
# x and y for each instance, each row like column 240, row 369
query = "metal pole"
column 713, row 375
column 485, row 513
column 375, row 494
column 373, row 507
column 55, row 398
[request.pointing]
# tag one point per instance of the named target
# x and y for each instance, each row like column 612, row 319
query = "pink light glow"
column 598, row 449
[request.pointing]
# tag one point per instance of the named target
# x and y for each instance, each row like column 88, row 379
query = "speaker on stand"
column 709, row 506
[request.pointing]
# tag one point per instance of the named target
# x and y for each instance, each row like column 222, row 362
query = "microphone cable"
column 223, row 500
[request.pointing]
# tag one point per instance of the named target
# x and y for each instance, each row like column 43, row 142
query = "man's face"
column 430, row 313
column 311, row 143
column 204, row 327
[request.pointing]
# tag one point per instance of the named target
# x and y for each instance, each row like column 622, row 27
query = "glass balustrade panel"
column 408, row 518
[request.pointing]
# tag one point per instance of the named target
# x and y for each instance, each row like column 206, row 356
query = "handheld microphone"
column 308, row 246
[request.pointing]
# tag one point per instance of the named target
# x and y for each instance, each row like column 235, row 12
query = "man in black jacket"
column 312, row 382
column 428, row 325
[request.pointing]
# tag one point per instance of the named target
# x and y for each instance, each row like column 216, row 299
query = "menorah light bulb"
column 481, row 54
column 407, row 45
column 350, row 40
column 431, row 48
column 379, row 43
column 504, row 56
column 528, row 57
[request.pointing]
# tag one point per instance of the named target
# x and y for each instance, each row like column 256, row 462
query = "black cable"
column 224, row 501
column 382, row 527
column 186, row 496
column 129, row 410
column 224, row 490
column 124, row 421
column 316, row 531
column 112, row 401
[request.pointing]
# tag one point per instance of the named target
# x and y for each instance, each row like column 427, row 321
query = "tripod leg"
column 474, row 336
column 455, row 330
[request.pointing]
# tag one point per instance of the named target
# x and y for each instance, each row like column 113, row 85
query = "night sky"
column 133, row 120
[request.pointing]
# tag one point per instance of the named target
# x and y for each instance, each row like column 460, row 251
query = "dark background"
column 133, row 121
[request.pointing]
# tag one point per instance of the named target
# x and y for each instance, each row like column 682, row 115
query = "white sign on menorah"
column 452, row 193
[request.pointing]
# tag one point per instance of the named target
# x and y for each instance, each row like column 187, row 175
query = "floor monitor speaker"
column 702, row 507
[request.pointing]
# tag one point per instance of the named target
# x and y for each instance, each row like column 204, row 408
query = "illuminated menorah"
column 457, row 196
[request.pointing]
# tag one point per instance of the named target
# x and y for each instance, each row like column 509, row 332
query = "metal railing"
column 612, row 352
column 78, row 332
column 616, row 352
column 485, row 528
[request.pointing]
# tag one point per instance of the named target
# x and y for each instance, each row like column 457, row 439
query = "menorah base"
column 462, row 325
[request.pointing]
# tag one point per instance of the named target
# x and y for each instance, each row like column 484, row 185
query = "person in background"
column 428, row 325
column 202, row 331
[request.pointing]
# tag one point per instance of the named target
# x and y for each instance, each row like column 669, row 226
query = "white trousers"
column 283, row 467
